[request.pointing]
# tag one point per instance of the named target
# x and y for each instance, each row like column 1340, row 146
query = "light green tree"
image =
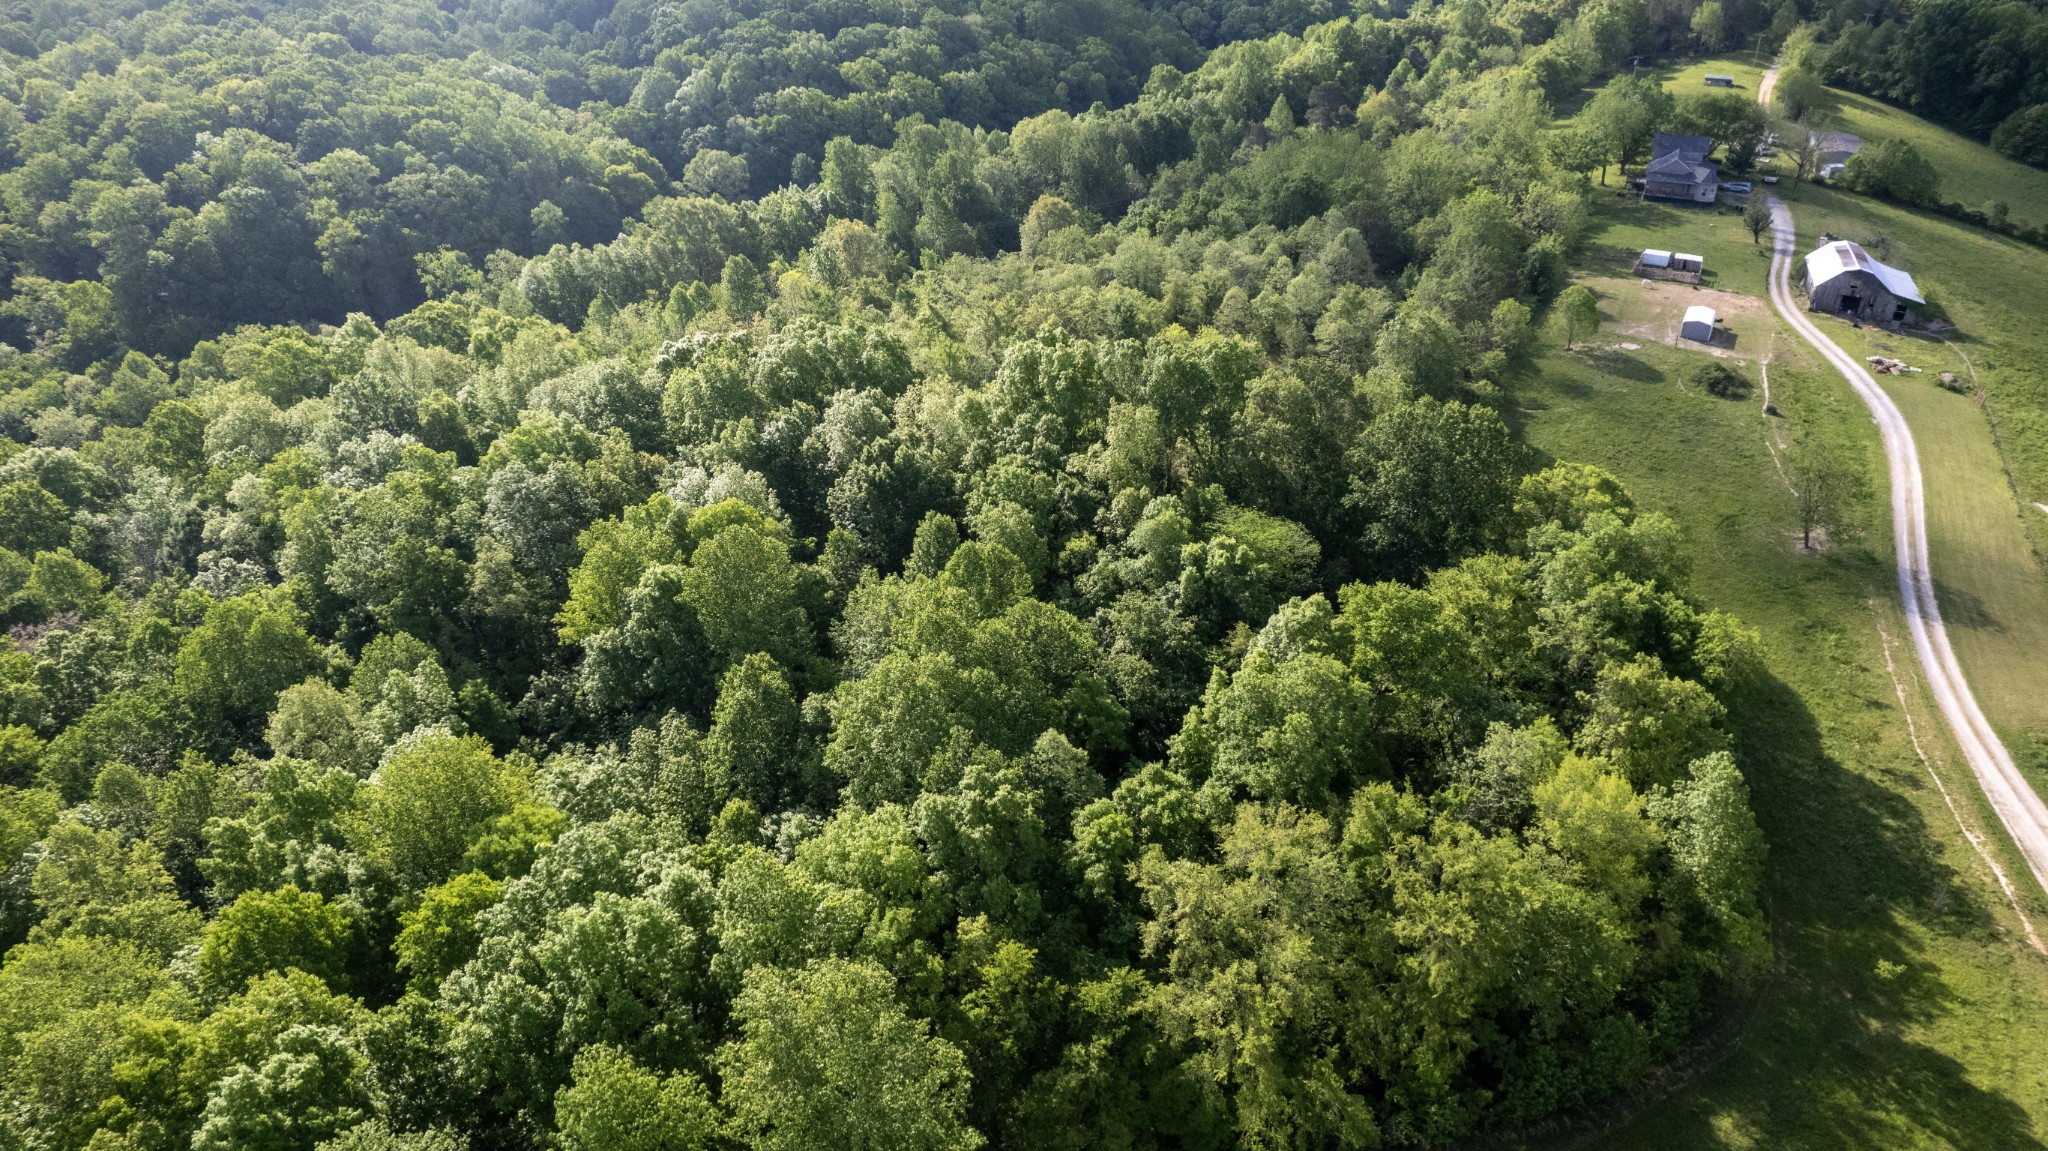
column 614, row 1104
column 240, row 657
column 828, row 1059
column 431, row 803
column 1578, row 314
column 441, row 934
column 267, row 931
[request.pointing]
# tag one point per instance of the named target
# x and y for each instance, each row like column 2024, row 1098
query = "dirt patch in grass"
column 1652, row 311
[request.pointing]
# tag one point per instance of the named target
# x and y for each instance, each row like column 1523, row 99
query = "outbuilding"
column 1842, row 279
column 1699, row 324
column 1655, row 258
column 1716, row 80
column 1687, row 262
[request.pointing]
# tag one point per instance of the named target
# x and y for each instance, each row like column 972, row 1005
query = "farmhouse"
column 1843, row 279
column 1679, row 169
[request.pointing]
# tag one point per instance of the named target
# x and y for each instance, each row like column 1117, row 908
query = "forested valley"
column 833, row 575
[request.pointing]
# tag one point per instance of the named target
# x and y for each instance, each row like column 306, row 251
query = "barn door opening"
column 1851, row 305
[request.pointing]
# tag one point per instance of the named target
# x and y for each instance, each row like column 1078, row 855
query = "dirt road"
column 2013, row 800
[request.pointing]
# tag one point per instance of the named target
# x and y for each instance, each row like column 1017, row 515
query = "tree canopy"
column 918, row 576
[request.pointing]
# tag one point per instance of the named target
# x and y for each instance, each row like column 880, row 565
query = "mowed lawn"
column 1746, row 69
column 1621, row 224
column 1904, row 1012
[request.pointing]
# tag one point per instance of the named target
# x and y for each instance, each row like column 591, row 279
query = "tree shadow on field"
column 1851, row 862
column 1622, row 366
column 1961, row 608
column 1821, row 1056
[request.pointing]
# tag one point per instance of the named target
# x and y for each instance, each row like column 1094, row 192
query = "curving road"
column 2013, row 800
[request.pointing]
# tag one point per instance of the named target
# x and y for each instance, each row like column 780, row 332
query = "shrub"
column 1718, row 379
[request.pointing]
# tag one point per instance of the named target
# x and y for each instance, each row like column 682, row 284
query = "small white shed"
column 1687, row 262
column 1656, row 258
column 1699, row 324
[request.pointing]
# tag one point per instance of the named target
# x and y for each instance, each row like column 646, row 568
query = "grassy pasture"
column 1994, row 289
column 1972, row 173
column 1986, row 467
column 1692, row 77
column 1620, row 226
column 1903, row 1012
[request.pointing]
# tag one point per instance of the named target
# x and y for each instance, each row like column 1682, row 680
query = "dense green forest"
column 796, row 575
column 1977, row 66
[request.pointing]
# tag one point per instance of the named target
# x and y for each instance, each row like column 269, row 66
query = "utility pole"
column 1758, row 52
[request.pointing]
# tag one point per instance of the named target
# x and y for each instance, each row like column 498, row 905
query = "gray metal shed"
column 1699, row 324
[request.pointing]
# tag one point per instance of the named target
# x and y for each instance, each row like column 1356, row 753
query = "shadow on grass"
column 1852, row 860
column 1964, row 609
column 1619, row 364
column 1820, row 1056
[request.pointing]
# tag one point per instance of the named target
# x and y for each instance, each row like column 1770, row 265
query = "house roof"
column 1840, row 257
column 1692, row 147
column 1681, row 158
column 1671, row 169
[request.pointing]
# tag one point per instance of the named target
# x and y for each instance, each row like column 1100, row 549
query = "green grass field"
column 1971, row 173
column 1939, row 1046
column 1745, row 67
column 1985, row 468
column 1992, row 288
column 1989, row 578
column 1906, row 1011
column 1620, row 226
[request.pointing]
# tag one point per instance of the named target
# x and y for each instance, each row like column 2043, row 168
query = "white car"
column 1737, row 186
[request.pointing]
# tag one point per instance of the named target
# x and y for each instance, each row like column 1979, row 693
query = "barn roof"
column 1840, row 257
column 1700, row 313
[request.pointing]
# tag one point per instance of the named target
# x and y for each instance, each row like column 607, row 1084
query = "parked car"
column 1737, row 185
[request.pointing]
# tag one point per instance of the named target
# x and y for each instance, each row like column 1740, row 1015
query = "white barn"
column 1699, row 324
